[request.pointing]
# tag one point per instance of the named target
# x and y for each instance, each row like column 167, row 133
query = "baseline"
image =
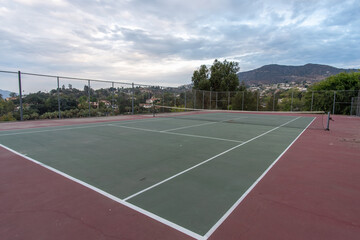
column 110, row 196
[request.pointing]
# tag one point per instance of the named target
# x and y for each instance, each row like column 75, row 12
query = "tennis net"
column 243, row 117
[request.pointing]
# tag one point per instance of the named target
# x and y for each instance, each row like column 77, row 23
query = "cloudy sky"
column 164, row 41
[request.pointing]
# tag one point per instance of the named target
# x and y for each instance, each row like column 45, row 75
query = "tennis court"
column 185, row 170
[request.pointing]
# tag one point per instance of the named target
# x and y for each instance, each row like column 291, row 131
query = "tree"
column 200, row 78
column 220, row 77
column 320, row 96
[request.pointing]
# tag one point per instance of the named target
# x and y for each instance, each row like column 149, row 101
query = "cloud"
column 161, row 41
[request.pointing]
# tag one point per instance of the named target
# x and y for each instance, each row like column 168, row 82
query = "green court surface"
column 188, row 170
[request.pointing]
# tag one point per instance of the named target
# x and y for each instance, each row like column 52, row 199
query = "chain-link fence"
column 290, row 100
column 39, row 96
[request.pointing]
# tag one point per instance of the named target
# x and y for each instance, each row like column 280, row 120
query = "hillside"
column 5, row 93
column 270, row 74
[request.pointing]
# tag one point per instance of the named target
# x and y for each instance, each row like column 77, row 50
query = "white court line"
column 202, row 124
column 234, row 206
column 80, row 127
column 179, row 134
column 108, row 195
column 199, row 164
column 51, row 130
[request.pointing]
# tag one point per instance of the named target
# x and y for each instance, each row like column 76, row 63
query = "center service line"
column 199, row 164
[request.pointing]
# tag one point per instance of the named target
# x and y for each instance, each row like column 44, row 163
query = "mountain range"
column 4, row 93
column 273, row 73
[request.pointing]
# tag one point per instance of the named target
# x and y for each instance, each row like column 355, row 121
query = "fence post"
column 228, row 100
column 194, row 98
column 203, row 106
column 163, row 98
column 334, row 103
column 58, row 95
column 257, row 101
column 312, row 100
column 132, row 99
column 89, row 98
column 210, row 98
column 112, row 99
column 242, row 102
column 20, row 97
column 274, row 101
column 185, row 98
column 292, row 98
column 216, row 100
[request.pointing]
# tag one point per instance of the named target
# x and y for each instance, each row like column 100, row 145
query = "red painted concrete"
column 37, row 204
column 313, row 192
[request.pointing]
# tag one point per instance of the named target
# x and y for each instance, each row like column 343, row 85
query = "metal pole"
column 216, row 99
column 292, row 98
column 185, row 98
column 351, row 106
column 194, row 99
column 257, row 101
column 20, row 97
column 328, row 122
column 274, row 102
column 228, row 100
column 242, row 102
column 312, row 100
column 334, row 103
column 203, row 99
column 210, row 98
column 89, row 97
column 113, row 93
column 132, row 99
column 58, row 95
column 163, row 100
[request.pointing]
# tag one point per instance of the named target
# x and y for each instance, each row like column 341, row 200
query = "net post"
column 20, row 97
column 328, row 122
column 132, row 99
column 58, row 95
column 89, row 98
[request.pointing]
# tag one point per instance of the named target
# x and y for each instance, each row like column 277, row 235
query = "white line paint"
column 108, row 195
column 202, row 124
column 236, row 204
column 179, row 134
column 52, row 130
column 203, row 162
column 80, row 127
